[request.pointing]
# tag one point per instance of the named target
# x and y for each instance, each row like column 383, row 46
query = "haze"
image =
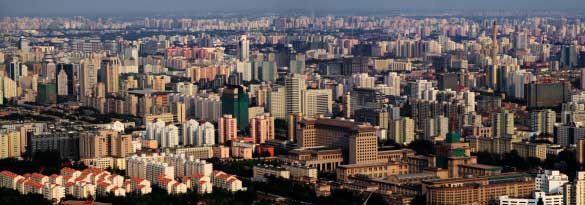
column 120, row 7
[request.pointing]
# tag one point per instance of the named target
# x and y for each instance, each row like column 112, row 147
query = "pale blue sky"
column 93, row 7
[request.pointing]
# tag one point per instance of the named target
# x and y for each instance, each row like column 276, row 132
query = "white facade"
column 546, row 199
column 198, row 135
column 551, row 181
column 165, row 135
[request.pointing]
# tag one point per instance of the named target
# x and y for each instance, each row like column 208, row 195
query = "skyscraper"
column 235, row 102
column 23, row 44
column 492, row 75
column 109, row 74
column 88, row 76
column 243, row 48
column 293, row 90
column 65, row 79
column 15, row 69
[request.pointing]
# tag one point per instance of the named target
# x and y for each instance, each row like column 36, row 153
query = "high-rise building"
column 436, row 128
column 110, row 74
column 9, row 144
column 104, row 143
column 198, row 134
column 65, row 79
column 227, row 128
column 551, row 181
column 542, row 95
column 392, row 80
column 316, row 102
column 401, row 130
column 418, row 87
column 262, row 128
column 165, row 135
column 276, row 103
column 502, row 124
column 15, row 69
column 294, row 85
column 492, row 74
column 88, row 76
column 47, row 93
column 543, row 121
column 569, row 57
column 581, row 151
column 574, row 193
column 24, row 44
column 235, row 102
column 243, row 48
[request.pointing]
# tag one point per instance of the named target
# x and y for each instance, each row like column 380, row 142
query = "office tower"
column 366, row 98
column 49, row 70
column 235, row 102
column 569, row 57
column 448, row 81
column 517, row 83
column 88, row 76
column 297, row 63
column 520, row 41
column 292, row 121
column 358, row 141
column 502, row 124
column 227, row 128
column 262, row 128
column 316, row 102
column 392, row 80
column 109, row 74
column 65, row 79
column 268, row 71
column 276, row 103
column 198, row 135
column 436, row 128
column 347, row 108
column 581, row 151
column 545, row 94
column 543, row 121
column 23, row 44
column 294, row 85
column 165, row 135
column 243, row 48
column 574, row 193
column 47, row 93
column 492, row 74
column 10, row 144
column 15, row 69
column 9, row 88
column 401, row 130
column 469, row 100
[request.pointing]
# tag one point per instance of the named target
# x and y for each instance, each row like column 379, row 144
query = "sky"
column 121, row 7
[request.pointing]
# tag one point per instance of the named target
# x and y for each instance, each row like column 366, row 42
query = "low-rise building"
column 373, row 170
column 260, row 171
